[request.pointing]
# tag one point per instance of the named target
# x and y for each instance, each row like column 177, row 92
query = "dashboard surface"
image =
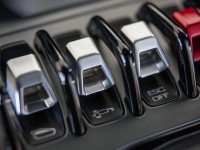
column 164, row 122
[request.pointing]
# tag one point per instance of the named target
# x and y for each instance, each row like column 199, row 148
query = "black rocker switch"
column 30, row 94
column 99, row 97
column 156, row 83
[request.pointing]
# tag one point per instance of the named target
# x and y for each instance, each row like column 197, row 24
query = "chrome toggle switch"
column 178, row 38
column 29, row 99
column 99, row 97
column 92, row 73
column 27, row 86
column 149, row 56
column 152, row 65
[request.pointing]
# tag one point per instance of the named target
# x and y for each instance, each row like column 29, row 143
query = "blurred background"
column 28, row 8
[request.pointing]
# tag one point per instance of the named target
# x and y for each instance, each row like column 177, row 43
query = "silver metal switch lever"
column 149, row 56
column 92, row 73
column 27, row 86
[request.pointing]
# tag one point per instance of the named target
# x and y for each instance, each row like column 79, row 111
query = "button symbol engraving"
column 161, row 91
column 160, row 97
column 98, row 113
column 155, row 91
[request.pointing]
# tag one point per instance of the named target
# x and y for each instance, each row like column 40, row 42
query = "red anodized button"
column 190, row 20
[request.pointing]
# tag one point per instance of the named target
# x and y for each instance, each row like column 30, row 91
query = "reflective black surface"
column 191, row 3
column 155, row 127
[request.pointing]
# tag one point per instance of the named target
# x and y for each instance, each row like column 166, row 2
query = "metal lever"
column 99, row 28
column 48, row 47
column 92, row 73
column 149, row 56
column 27, row 86
column 179, row 39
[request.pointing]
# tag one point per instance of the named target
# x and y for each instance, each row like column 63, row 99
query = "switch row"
column 31, row 99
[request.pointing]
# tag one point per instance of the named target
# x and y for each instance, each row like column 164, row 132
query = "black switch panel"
column 139, row 111
column 159, row 89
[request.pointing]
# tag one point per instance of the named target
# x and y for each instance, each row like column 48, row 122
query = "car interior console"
column 96, row 74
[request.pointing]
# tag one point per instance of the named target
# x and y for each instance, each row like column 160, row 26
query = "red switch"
column 190, row 20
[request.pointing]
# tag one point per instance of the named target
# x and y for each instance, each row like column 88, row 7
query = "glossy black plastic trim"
column 191, row 3
column 12, row 121
column 99, row 28
column 45, row 44
column 179, row 39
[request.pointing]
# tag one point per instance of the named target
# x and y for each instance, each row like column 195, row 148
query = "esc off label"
column 158, row 94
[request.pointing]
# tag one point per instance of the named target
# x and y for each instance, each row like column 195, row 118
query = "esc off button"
column 159, row 89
